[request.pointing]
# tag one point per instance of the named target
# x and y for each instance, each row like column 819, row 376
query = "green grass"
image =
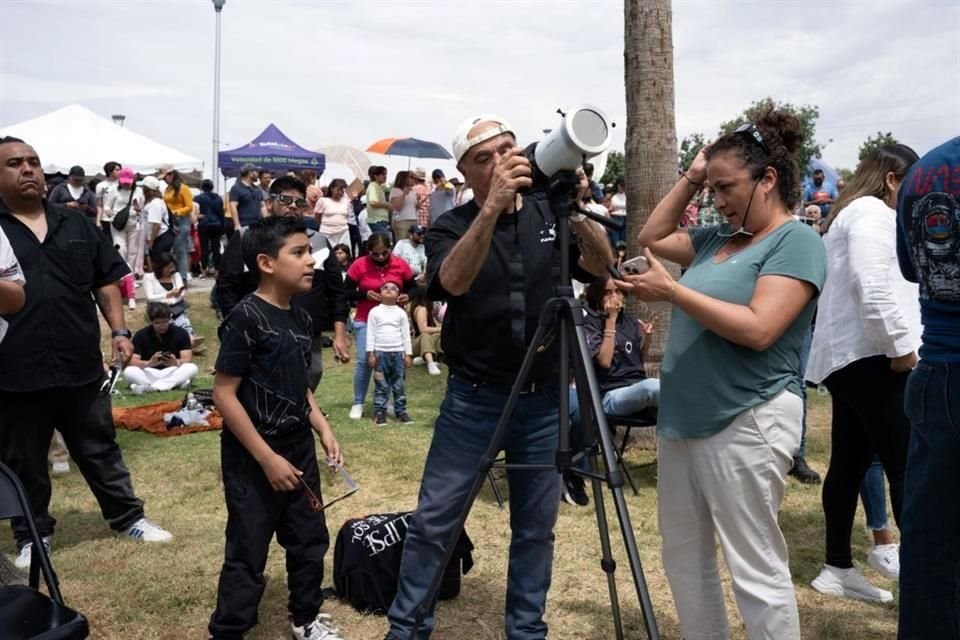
column 130, row 590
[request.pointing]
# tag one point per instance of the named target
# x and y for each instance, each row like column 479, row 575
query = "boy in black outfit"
column 268, row 456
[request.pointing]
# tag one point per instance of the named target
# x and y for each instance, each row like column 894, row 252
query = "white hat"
column 151, row 182
column 462, row 144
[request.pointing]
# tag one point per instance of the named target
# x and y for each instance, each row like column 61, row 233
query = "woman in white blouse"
column 864, row 347
column 129, row 240
column 332, row 212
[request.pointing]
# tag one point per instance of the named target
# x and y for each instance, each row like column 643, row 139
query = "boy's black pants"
column 83, row 416
column 254, row 513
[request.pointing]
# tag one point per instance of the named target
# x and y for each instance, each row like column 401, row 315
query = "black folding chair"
column 25, row 612
column 646, row 418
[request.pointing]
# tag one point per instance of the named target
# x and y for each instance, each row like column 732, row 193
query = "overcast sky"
column 354, row 72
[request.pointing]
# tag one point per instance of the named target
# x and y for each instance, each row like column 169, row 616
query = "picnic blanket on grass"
column 149, row 418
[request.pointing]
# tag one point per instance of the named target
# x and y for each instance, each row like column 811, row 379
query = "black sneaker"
column 574, row 490
column 380, row 418
column 802, row 471
column 404, row 418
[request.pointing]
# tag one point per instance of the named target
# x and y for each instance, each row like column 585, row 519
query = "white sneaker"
column 885, row 558
column 356, row 412
column 849, row 584
column 138, row 389
column 60, row 468
column 319, row 629
column 146, row 531
column 132, row 303
column 433, row 368
column 23, row 560
column 418, row 361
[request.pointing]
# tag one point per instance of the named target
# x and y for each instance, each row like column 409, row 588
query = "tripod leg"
column 615, row 481
column 496, row 489
column 607, row 563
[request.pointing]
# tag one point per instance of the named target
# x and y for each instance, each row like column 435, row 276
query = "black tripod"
column 562, row 318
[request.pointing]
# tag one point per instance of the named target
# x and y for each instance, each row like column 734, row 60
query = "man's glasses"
column 350, row 487
column 750, row 130
column 299, row 203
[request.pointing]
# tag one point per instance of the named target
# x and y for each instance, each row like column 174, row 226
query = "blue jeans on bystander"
column 390, row 375
column 930, row 525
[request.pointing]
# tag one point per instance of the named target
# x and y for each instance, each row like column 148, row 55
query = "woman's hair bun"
column 784, row 125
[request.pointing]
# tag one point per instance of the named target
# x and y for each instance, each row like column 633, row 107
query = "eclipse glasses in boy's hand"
column 350, row 486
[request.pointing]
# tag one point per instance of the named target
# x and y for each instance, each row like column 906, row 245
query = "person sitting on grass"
column 389, row 353
column 161, row 355
column 267, row 451
column 426, row 330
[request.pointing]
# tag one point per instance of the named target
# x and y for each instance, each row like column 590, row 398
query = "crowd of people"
column 853, row 287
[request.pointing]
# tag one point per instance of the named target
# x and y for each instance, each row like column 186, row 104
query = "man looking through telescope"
column 490, row 259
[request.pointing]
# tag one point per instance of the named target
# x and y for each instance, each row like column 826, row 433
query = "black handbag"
column 163, row 243
column 122, row 217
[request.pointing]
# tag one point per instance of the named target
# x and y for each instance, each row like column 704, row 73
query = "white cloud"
column 354, row 72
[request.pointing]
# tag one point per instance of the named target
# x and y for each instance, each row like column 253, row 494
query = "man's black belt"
column 531, row 386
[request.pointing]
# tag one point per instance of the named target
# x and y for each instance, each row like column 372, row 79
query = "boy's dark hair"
column 110, row 166
column 267, row 236
column 588, row 169
column 206, row 185
column 157, row 310
column 288, row 183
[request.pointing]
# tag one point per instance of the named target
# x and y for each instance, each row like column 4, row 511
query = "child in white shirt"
column 11, row 282
column 389, row 354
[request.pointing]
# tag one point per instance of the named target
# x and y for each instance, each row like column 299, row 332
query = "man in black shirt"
column 246, row 199
column 74, row 194
column 493, row 260
column 326, row 302
column 51, row 368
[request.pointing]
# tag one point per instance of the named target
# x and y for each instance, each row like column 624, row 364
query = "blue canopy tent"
column 271, row 150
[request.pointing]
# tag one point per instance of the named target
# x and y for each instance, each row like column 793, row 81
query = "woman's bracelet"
column 696, row 184
column 673, row 292
column 609, row 332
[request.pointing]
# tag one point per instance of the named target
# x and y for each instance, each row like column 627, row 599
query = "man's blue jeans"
column 390, row 376
column 183, row 246
column 468, row 417
column 930, row 524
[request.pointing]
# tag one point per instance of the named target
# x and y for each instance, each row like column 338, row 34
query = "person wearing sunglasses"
column 731, row 401
column 326, row 301
column 364, row 278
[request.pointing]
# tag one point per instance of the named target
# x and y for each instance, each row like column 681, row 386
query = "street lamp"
column 218, row 7
column 118, row 119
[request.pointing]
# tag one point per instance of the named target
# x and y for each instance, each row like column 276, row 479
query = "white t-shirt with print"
column 156, row 212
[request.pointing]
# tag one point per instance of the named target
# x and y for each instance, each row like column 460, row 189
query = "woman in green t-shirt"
column 731, row 405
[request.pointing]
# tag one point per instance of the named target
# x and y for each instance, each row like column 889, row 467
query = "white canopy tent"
column 74, row 135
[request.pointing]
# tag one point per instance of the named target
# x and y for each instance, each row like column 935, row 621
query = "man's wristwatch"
column 120, row 333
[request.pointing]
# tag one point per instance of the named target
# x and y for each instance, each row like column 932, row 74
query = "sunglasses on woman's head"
column 750, row 130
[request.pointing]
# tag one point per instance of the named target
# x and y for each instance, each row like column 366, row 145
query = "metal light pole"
column 218, row 7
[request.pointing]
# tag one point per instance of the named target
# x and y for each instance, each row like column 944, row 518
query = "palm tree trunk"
column 651, row 144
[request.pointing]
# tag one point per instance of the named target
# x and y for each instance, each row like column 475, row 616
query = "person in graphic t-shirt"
column 268, row 457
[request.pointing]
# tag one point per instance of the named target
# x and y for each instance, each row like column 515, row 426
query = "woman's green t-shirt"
column 707, row 380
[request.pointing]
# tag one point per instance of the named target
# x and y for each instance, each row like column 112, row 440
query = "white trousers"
column 730, row 487
column 130, row 244
column 161, row 379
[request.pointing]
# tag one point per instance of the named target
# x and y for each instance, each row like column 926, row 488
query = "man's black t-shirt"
column 626, row 368
column 248, row 199
column 486, row 330
column 54, row 340
column 146, row 342
column 269, row 348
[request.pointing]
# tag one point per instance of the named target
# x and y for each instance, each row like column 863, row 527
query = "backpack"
column 366, row 562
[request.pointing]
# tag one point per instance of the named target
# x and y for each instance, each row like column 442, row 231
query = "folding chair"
column 646, row 418
column 25, row 612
